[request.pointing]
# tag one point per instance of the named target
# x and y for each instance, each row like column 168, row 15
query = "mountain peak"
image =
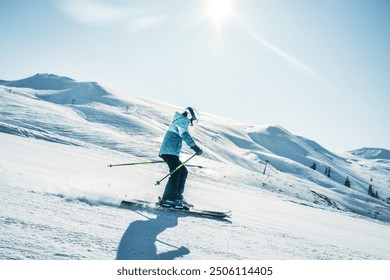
column 63, row 90
column 371, row 153
column 44, row 81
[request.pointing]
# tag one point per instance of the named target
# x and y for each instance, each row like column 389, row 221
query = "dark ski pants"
column 175, row 186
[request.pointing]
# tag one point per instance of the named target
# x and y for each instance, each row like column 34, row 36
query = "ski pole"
column 177, row 168
column 135, row 163
column 148, row 162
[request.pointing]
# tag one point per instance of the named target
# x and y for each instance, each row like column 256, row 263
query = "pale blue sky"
column 320, row 69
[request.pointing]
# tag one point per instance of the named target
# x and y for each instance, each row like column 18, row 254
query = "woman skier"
column 170, row 151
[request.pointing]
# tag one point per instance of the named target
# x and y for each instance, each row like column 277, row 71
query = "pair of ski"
column 136, row 203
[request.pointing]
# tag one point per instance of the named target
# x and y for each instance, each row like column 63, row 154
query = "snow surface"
column 61, row 201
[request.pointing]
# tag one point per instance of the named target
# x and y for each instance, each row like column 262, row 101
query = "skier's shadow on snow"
column 139, row 240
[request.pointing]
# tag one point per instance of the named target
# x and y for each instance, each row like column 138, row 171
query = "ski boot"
column 176, row 204
column 185, row 203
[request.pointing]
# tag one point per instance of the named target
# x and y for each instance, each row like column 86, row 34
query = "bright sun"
column 219, row 10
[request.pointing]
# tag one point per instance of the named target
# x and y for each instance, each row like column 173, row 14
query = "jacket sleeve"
column 184, row 134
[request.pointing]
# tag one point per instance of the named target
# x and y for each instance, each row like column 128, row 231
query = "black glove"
column 197, row 150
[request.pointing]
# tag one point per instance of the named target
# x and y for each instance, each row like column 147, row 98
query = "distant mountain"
column 42, row 81
column 372, row 153
column 64, row 90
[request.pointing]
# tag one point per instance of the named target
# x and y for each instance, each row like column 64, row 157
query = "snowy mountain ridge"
column 372, row 153
column 85, row 126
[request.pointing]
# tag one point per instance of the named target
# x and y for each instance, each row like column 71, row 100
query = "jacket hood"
column 178, row 116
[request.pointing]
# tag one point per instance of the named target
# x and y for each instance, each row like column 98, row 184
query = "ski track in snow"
column 52, row 227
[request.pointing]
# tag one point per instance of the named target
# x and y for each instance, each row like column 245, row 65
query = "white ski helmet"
column 192, row 114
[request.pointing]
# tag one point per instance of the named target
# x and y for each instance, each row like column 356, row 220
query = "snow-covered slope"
column 58, row 136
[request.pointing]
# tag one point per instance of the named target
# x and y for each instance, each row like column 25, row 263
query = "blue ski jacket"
column 176, row 134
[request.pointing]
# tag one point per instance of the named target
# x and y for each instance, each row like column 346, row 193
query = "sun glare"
column 219, row 10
